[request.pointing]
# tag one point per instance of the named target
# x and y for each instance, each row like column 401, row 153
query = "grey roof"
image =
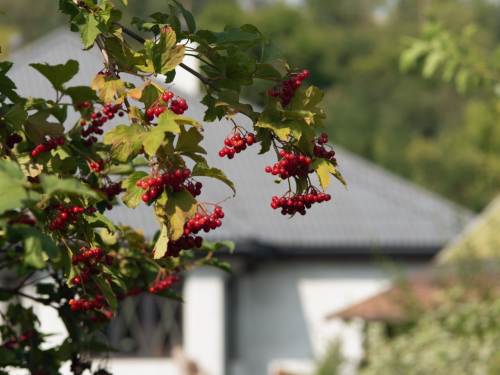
column 380, row 211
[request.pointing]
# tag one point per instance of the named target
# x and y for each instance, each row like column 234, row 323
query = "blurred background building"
column 418, row 158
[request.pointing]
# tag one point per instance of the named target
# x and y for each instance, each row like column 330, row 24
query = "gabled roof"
column 479, row 240
column 380, row 212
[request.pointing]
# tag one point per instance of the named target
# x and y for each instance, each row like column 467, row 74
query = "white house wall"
column 281, row 306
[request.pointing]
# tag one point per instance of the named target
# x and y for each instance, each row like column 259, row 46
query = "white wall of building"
column 281, row 306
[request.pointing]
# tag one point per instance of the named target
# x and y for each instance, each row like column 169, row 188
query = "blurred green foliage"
column 461, row 337
column 421, row 129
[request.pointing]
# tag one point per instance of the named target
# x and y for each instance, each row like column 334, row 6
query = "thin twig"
column 141, row 40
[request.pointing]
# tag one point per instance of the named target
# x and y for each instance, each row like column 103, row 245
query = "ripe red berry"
column 145, row 197
column 76, row 280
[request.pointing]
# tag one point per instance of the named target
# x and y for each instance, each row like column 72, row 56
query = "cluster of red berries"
column 176, row 179
column 162, row 284
column 83, row 305
column 9, row 344
column 97, row 167
column 290, row 165
column 23, row 220
column 51, row 144
column 321, row 152
column 130, row 292
column 89, row 257
column 66, row 214
column 200, row 222
column 111, row 190
column 97, row 120
column 102, row 317
column 299, row 202
column 236, row 144
column 177, row 105
column 285, row 90
column 13, row 139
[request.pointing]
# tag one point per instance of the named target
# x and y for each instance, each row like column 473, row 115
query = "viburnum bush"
column 58, row 181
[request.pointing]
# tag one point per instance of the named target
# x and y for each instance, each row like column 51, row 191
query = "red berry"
column 145, row 197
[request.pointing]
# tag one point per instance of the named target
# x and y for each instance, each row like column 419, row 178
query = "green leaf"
column 308, row 99
column 202, row 169
column 107, row 87
column 282, row 128
column 235, row 36
column 125, row 141
column 70, row 271
column 90, row 27
column 323, row 167
column 165, row 55
column 265, row 140
column 188, row 141
column 214, row 262
column 15, row 117
column 156, row 136
column 7, row 86
column 272, row 52
column 71, row 186
column 167, row 123
column 8, row 357
column 150, row 94
column 114, row 275
column 133, row 194
column 12, row 186
column 59, row 74
column 214, row 246
column 106, row 291
column 179, row 208
column 37, row 245
column 100, row 221
column 190, row 22
column 81, row 94
column 212, row 112
column 37, row 124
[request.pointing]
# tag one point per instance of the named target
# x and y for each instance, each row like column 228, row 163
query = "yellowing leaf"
column 324, row 168
column 179, row 208
column 125, row 141
column 133, row 194
column 161, row 245
column 135, row 93
column 107, row 87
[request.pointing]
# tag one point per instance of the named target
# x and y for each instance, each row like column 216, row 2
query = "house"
column 288, row 274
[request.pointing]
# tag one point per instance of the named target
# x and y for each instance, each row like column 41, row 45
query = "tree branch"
column 141, row 40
